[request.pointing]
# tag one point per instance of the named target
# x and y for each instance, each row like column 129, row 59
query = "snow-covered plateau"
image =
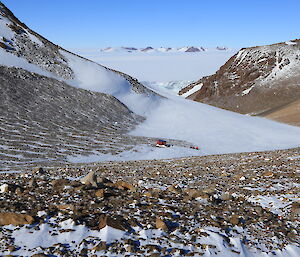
column 161, row 66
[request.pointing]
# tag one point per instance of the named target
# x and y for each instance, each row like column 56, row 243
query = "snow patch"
column 247, row 91
column 46, row 236
column 143, row 152
column 11, row 60
column 192, row 90
column 274, row 203
column 290, row 43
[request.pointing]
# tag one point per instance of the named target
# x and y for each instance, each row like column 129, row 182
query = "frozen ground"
column 227, row 205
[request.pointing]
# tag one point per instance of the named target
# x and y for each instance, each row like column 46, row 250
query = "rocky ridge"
column 255, row 80
column 229, row 204
column 23, row 42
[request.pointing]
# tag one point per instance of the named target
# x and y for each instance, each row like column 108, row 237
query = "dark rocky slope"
column 43, row 119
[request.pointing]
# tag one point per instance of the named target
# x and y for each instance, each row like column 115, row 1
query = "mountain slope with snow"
column 255, row 80
column 58, row 108
column 21, row 47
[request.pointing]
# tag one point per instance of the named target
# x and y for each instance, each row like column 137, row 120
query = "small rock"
column 65, row 207
column 268, row 174
column 195, row 193
column 125, row 185
column 19, row 191
column 4, row 188
column 60, row 182
column 225, row 197
column 32, row 183
column 234, row 220
column 11, row 248
column 102, row 180
column 39, row 171
column 160, row 224
column 295, row 210
column 99, row 193
column 100, row 247
column 175, row 189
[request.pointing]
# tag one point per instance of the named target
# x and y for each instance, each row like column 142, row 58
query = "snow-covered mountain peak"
column 150, row 49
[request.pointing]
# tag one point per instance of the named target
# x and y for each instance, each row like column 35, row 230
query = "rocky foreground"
column 227, row 205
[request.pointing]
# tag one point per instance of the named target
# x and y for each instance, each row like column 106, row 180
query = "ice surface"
column 5, row 31
column 161, row 66
column 172, row 87
column 215, row 130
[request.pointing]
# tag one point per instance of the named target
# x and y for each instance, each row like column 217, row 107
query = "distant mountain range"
column 149, row 49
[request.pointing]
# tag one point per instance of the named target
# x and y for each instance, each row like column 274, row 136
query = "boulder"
column 10, row 218
column 225, row 196
column 195, row 193
column 114, row 222
column 90, row 178
column 295, row 209
column 124, row 185
column 100, row 247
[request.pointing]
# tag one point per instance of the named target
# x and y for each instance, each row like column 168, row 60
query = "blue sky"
column 209, row 23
